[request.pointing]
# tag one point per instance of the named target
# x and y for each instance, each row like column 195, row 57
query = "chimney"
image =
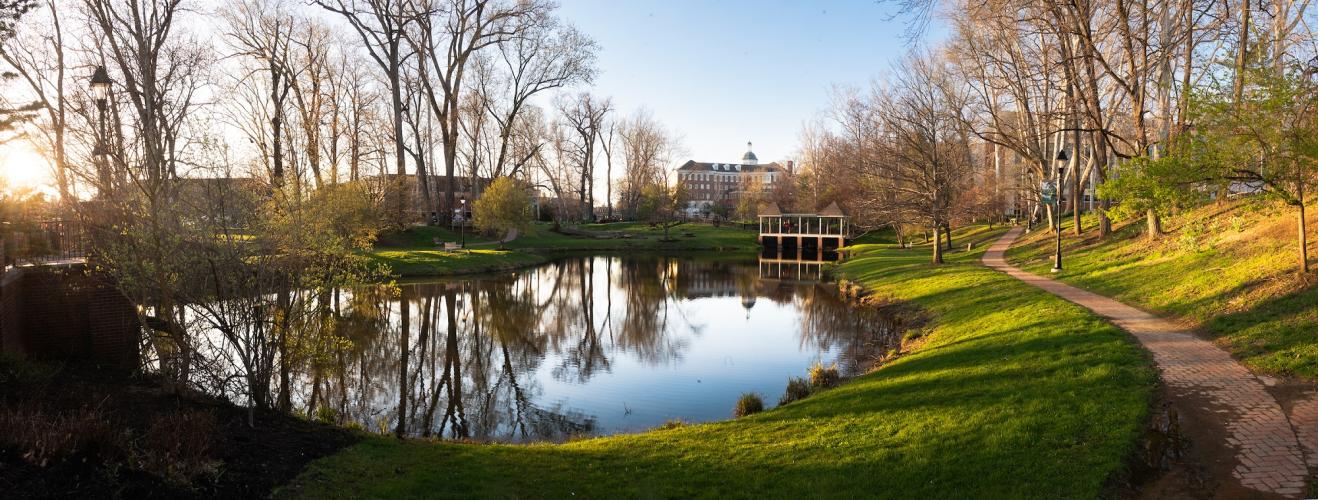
column 790, row 165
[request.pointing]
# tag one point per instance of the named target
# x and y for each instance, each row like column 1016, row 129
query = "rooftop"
column 698, row 166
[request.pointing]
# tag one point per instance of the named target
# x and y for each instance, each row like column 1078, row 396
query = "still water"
column 588, row 346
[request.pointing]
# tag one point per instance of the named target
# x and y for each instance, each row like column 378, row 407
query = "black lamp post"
column 100, row 87
column 462, row 229
column 1062, row 158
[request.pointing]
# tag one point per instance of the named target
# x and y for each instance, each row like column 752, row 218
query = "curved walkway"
column 1209, row 383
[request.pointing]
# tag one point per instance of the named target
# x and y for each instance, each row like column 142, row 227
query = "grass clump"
column 748, row 404
column 672, row 423
column 797, row 389
column 824, row 377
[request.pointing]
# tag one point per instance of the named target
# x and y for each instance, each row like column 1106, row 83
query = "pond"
column 587, row 345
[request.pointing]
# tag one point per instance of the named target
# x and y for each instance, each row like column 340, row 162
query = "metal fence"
column 44, row 242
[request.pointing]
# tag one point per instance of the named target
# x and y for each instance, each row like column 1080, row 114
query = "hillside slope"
column 1226, row 270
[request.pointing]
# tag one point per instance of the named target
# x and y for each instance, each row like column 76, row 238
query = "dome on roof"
column 749, row 301
column 749, row 158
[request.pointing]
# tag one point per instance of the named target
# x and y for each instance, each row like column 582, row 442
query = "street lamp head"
column 101, row 83
column 463, row 201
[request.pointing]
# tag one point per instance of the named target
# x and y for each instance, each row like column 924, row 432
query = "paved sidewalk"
column 1269, row 457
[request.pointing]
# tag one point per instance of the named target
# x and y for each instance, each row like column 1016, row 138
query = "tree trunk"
column 1104, row 224
column 938, row 248
column 396, row 102
column 285, row 378
column 1242, row 53
column 405, row 327
column 1304, row 238
column 1154, row 224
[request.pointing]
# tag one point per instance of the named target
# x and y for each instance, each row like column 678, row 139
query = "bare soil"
column 136, row 440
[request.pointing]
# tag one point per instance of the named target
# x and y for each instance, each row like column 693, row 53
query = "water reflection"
column 583, row 346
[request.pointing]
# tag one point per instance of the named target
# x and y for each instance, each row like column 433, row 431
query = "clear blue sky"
column 721, row 73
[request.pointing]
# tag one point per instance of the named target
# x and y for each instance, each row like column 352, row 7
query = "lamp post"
column 462, row 217
column 100, row 87
column 1062, row 158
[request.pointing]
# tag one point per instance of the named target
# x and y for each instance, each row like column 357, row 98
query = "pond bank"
column 1014, row 394
column 412, row 253
column 70, row 432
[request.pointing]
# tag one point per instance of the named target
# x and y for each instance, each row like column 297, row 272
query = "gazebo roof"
column 832, row 210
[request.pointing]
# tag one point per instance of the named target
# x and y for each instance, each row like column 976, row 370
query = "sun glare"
column 21, row 166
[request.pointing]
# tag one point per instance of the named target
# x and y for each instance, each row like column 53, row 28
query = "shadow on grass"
column 1016, row 394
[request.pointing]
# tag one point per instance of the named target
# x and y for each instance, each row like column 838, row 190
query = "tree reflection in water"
column 496, row 358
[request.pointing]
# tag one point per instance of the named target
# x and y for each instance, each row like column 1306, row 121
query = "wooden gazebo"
column 826, row 230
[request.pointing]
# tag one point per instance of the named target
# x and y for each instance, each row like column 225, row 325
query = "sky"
column 717, row 74
column 720, row 74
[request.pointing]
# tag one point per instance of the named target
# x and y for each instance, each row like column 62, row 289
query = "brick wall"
column 62, row 313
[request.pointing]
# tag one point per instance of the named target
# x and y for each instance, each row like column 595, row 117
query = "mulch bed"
column 241, row 461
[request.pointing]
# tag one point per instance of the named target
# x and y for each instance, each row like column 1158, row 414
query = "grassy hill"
column 1226, row 270
column 1014, row 394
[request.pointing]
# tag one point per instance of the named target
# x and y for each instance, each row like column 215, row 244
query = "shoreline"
column 962, row 377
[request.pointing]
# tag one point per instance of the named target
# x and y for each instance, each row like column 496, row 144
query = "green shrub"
column 1191, row 234
column 748, row 404
column 327, row 415
column 797, row 389
column 1237, row 223
column 672, row 424
column 824, row 377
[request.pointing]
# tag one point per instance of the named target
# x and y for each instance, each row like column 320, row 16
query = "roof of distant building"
column 700, row 166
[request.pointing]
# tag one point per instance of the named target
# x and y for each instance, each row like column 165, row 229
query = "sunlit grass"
column 1227, row 270
column 414, row 253
column 418, row 262
column 1017, row 394
column 641, row 237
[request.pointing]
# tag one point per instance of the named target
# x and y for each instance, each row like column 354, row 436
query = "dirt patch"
column 135, row 440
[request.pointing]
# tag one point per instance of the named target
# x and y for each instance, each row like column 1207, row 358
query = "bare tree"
column 585, row 115
column 37, row 57
column 445, row 35
column 381, row 25
column 263, row 31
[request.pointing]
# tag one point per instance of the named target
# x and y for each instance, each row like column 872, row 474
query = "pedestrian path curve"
column 1269, row 445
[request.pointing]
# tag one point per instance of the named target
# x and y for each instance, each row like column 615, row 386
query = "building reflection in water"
column 581, row 346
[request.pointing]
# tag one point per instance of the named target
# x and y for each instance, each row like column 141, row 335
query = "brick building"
column 465, row 187
column 711, row 184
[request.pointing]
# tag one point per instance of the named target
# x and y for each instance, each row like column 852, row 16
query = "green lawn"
column 1227, row 270
column 642, row 237
column 1015, row 394
column 418, row 262
column 424, row 237
column 412, row 253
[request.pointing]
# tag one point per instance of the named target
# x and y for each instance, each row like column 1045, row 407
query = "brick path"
column 1268, row 452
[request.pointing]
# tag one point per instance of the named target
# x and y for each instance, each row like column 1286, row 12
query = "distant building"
column 235, row 199
column 465, row 187
column 711, row 184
